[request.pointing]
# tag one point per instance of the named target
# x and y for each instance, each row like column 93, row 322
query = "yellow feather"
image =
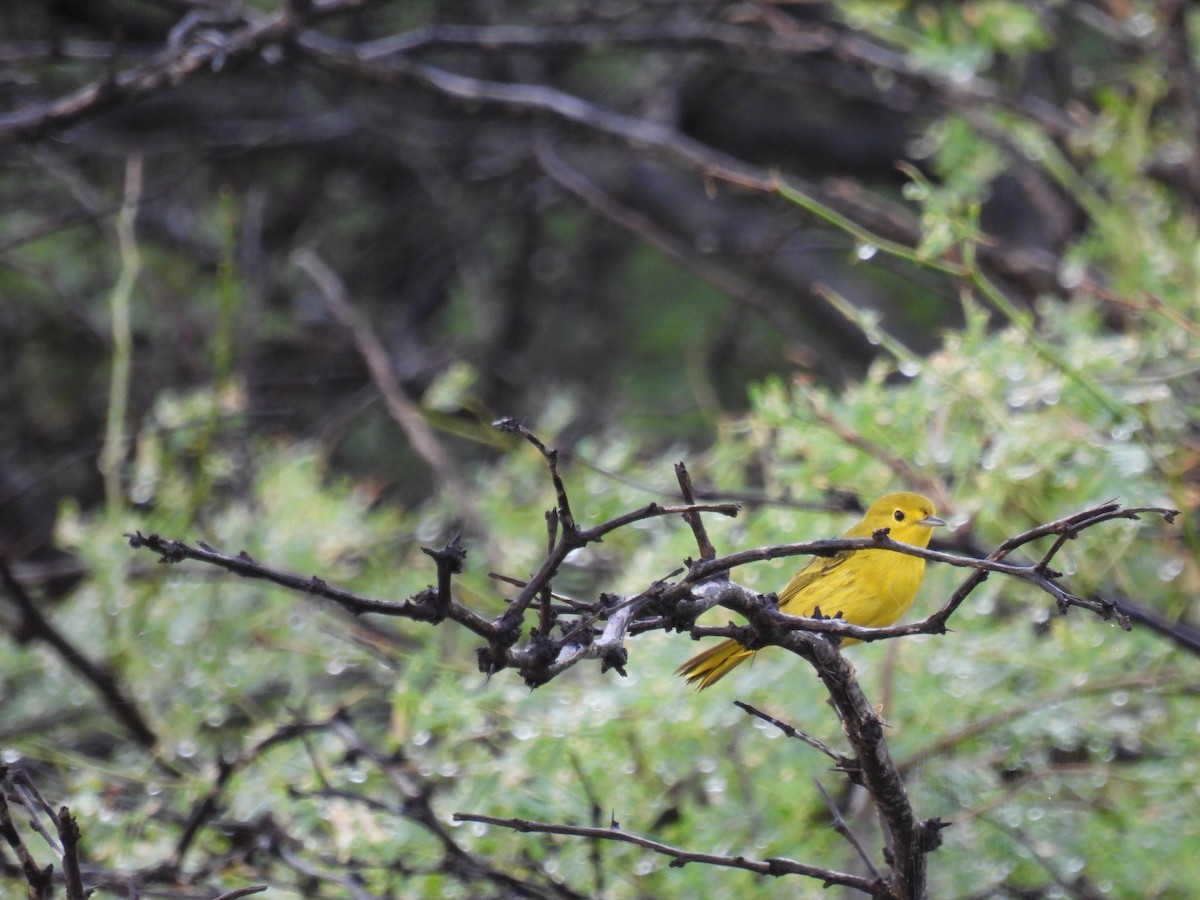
column 873, row 588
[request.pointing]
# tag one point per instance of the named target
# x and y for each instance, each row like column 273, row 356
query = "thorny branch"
column 668, row 605
column 599, row 630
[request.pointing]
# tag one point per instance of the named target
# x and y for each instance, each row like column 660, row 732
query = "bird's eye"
column 898, row 515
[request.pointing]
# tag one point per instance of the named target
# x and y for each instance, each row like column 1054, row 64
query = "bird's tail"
column 710, row 666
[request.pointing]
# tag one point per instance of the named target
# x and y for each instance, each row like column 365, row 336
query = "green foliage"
column 1047, row 740
column 1040, row 737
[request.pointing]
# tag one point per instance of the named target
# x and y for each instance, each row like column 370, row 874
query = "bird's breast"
column 899, row 577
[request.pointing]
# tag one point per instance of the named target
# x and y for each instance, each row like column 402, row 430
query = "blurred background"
column 268, row 271
column 504, row 253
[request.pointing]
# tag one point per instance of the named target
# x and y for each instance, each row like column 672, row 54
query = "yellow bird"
column 873, row 588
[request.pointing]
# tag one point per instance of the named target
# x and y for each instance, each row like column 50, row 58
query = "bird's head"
column 909, row 518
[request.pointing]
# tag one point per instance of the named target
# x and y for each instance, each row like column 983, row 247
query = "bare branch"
column 707, row 550
column 840, row 826
column 243, row 892
column 706, row 596
column 165, row 70
column 404, row 412
column 776, row 865
column 599, row 631
column 601, row 627
column 510, row 425
column 746, row 291
column 69, row 835
column 65, row 844
column 207, row 806
column 427, row 606
column 843, row 762
column 34, row 624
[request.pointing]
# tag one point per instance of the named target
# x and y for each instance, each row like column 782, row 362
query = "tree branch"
column 166, row 70
column 403, row 410
column 670, row 605
column 775, row 866
column 35, row 625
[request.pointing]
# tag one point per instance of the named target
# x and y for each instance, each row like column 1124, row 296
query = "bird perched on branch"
column 873, row 588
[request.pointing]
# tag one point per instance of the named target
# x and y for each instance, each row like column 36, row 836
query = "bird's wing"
column 798, row 598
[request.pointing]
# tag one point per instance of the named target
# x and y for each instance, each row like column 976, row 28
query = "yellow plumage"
column 873, row 588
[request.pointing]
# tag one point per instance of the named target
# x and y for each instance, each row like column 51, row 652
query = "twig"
column 415, row 806
column 362, row 61
column 655, row 510
column 934, row 624
column 759, row 297
column 566, row 518
column 874, row 450
column 539, row 661
column 208, row 805
column 575, row 605
column 843, row 762
column 1078, row 888
column 65, row 845
column 594, row 812
column 543, row 658
column 572, row 538
column 36, row 805
column 403, row 410
column 40, row 880
column 840, row 826
column 775, row 866
column 69, row 834
column 705, row 545
column 967, row 271
column 425, row 606
column 909, row 838
column 687, row 35
column 941, row 747
column 1074, row 524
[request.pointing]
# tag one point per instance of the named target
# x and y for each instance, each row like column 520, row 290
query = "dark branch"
column 600, row 628
column 40, row 880
column 69, row 836
column 166, row 70
column 775, row 866
column 936, row 623
column 35, row 625
column 427, row 606
column 705, row 545
column 843, row 762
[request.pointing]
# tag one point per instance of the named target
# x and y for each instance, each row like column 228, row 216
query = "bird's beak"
column 930, row 521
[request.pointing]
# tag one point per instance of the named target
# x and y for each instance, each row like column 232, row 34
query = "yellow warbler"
column 873, row 588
